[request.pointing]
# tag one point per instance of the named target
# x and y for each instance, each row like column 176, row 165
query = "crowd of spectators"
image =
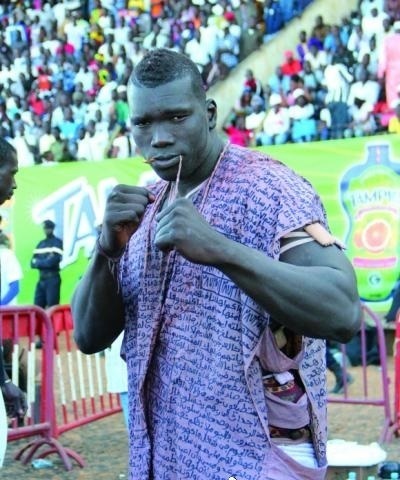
column 338, row 81
column 64, row 65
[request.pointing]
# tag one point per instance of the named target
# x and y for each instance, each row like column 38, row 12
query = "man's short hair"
column 7, row 151
column 49, row 224
column 161, row 65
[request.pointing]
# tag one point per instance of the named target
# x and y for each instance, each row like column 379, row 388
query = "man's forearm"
column 97, row 307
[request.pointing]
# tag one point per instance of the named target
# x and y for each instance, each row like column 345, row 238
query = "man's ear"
column 211, row 113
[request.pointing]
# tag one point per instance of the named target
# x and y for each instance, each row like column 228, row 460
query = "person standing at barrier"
column 46, row 258
column 12, row 399
column 226, row 281
column 11, row 272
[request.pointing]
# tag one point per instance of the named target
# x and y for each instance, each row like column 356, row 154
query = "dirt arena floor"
column 103, row 444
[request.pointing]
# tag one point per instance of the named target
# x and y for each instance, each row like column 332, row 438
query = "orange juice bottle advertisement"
column 370, row 195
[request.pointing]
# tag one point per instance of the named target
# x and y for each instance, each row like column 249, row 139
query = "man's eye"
column 141, row 124
column 179, row 117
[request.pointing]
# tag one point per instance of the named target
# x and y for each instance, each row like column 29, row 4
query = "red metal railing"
column 370, row 394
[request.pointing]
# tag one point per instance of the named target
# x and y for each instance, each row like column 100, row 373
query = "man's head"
column 8, row 169
column 170, row 115
column 48, row 227
column 161, row 66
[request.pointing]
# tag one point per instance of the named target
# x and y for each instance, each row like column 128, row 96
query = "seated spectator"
column 217, row 71
column 296, row 83
column 362, row 119
column 312, row 84
column 365, row 6
column 339, row 119
column 337, row 80
column 319, row 32
column 228, row 49
column 277, row 82
column 156, row 38
column 291, row 65
column 372, row 22
column 196, row 50
column 122, row 145
column 357, row 41
column 303, row 124
column 253, row 83
column 276, row 124
column 79, row 107
column 59, row 149
column 302, row 47
column 236, row 130
column 364, row 88
column 243, row 104
column 45, row 142
column 69, row 128
column 24, row 153
column 332, row 40
column 318, row 60
column 91, row 145
column 254, row 119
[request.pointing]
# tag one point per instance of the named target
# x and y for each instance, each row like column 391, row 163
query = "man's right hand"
column 124, row 210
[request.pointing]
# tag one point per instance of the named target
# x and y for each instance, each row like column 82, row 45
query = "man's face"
column 169, row 121
column 7, row 180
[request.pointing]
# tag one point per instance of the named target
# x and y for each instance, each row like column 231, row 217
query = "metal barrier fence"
column 396, row 353
column 20, row 327
column 81, row 396
column 77, row 397
column 371, row 394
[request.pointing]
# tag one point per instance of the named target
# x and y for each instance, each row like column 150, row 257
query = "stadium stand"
column 64, row 67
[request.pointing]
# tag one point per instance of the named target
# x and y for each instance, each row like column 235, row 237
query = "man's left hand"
column 181, row 227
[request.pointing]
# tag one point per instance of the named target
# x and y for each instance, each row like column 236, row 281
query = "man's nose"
column 161, row 136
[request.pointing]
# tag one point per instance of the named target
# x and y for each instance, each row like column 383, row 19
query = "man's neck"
column 204, row 171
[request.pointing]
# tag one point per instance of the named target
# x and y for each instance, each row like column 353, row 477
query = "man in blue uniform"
column 46, row 258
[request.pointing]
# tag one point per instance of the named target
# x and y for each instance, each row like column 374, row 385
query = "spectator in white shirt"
column 304, row 126
column 372, row 23
column 91, row 144
column 276, row 124
column 196, row 50
column 364, row 89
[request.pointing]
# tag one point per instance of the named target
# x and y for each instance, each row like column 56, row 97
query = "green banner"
column 362, row 203
column 73, row 196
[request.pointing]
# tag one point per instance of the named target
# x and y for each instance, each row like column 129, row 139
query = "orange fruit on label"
column 375, row 236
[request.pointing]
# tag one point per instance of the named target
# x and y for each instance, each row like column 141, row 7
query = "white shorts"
column 303, row 453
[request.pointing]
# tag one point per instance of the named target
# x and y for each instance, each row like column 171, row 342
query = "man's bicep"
column 313, row 254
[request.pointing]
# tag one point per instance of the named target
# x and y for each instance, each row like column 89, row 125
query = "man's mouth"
column 163, row 162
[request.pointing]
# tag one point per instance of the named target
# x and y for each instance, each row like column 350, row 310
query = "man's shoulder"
column 258, row 164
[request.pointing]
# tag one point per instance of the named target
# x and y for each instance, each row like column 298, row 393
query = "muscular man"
column 226, row 281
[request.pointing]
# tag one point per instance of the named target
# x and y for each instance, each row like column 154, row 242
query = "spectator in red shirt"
column 237, row 131
column 291, row 65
